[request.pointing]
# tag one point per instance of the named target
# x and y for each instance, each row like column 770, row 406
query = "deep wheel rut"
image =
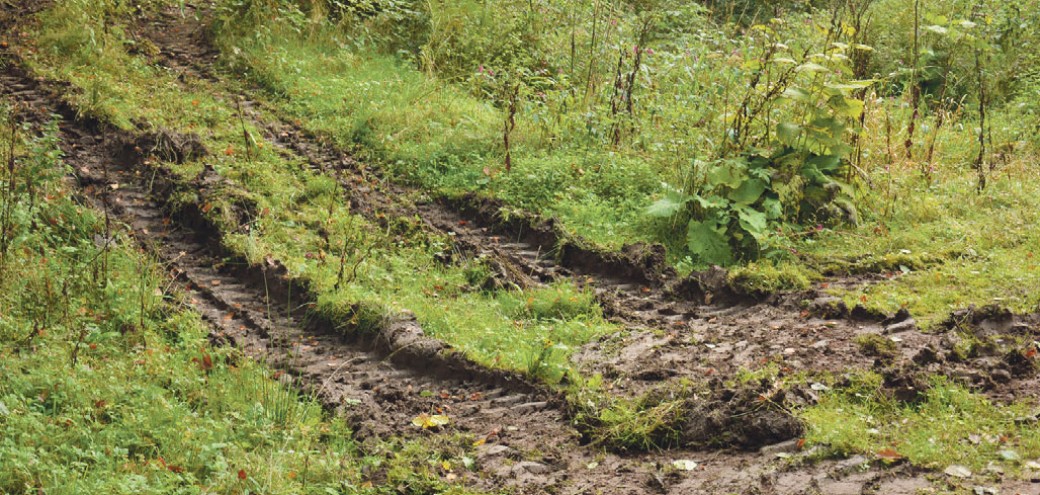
column 527, row 441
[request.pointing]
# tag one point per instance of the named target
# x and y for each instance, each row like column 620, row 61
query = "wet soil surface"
column 673, row 329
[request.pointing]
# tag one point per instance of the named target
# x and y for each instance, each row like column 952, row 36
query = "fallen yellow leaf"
column 429, row 421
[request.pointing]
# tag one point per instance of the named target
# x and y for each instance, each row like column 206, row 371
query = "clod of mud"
column 905, row 384
column 648, row 257
column 829, row 307
column 710, row 286
column 748, row 418
column 1020, row 363
column 164, row 144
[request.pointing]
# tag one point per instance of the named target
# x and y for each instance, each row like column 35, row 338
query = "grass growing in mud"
column 271, row 205
column 950, row 425
column 107, row 385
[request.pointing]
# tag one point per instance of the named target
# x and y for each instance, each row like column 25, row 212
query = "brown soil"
column 694, row 329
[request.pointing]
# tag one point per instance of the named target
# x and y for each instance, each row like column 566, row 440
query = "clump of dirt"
column 650, row 258
column 166, row 145
column 905, row 384
column 749, row 417
column 710, row 286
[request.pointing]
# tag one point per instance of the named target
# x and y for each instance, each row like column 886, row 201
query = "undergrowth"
column 108, row 385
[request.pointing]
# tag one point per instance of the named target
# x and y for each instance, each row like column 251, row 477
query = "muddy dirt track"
column 381, row 383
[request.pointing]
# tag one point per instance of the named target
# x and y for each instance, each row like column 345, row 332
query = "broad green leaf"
column 772, row 208
column 847, row 107
column 708, row 244
column 669, row 205
column 753, row 221
column 812, row 67
column 788, row 133
column 851, row 85
column 711, row 202
column 748, row 192
column 729, row 173
column 826, row 163
column 796, row 94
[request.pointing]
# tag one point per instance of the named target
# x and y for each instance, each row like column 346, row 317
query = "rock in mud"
column 903, row 326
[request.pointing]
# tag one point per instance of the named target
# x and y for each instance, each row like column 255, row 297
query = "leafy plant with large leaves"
column 767, row 174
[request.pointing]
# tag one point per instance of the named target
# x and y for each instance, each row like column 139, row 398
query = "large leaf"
column 788, row 133
column 753, row 221
column 826, row 163
column 712, row 202
column 772, row 208
column 707, row 243
column 748, row 192
column 729, row 173
column 672, row 202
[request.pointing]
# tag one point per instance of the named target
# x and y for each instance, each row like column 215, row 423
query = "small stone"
column 684, row 464
column 903, row 326
column 487, row 451
column 531, row 467
column 780, row 448
column 958, row 471
column 994, row 468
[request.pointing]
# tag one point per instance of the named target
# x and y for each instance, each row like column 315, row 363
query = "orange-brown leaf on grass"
column 889, row 455
column 800, row 444
column 205, row 363
column 242, row 474
column 230, row 150
column 430, row 421
column 207, row 207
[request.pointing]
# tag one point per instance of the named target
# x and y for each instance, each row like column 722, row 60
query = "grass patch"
column 950, row 425
column 763, row 278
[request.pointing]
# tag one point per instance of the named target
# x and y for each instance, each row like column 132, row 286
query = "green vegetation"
column 949, row 426
column 813, row 144
column 108, row 385
column 803, row 136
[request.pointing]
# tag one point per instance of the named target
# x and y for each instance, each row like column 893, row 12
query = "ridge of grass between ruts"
column 302, row 220
column 109, row 385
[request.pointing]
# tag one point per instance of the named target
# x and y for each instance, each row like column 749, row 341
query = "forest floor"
column 697, row 388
